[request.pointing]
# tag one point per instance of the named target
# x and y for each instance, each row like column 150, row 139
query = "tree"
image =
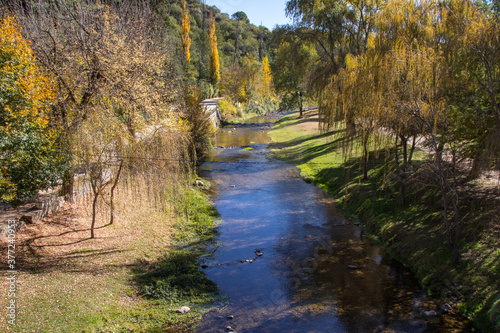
column 267, row 75
column 294, row 58
column 103, row 59
column 337, row 29
column 214, row 54
column 185, row 27
column 234, row 83
column 118, row 101
column 479, row 99
column 100, row 149
column 240, row 16
column 30, row 155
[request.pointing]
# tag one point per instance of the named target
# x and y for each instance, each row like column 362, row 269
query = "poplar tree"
column 185, row 28
column 267, row 72
column 214, row 54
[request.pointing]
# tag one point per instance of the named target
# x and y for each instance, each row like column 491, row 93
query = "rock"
column 183, row 309
column 204, row 266
column 446, row 308
column 431, row 313
column 230, row 317
column 352, row 267
column 199, row 183
column 27, row 218
column 258, row 253
column 230, row 329
column 242, row 261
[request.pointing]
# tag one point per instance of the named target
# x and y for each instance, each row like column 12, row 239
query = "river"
column 288, row 261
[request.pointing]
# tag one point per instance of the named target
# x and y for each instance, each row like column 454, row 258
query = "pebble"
column 230, row 329
column 446, row 308
column 230, row 317
column 352, row 267
column 183, row 309
column 431, row 313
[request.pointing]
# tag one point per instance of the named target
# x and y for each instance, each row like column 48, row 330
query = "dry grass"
column 69, row 282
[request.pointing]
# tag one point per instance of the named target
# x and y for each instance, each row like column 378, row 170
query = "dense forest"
column 110, row 92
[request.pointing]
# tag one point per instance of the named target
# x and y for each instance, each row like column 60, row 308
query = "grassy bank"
column 415, row 233
column 128, row 279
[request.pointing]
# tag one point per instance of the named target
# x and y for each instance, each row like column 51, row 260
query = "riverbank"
column 413, row 234
column 129, row 278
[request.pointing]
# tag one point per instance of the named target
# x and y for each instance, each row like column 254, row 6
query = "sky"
column 267, row 12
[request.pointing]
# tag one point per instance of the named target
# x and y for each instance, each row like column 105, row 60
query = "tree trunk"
column 475, row 171
column 365, row 159
column 400, row 170
column 261, row 45
column 112, row 195
column 301, row 110
column 236, row 53
column 94, row 206
column 68, row 186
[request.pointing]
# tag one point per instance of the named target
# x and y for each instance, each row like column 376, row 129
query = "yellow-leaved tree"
column 214, row 54
column 267, row 75
column 30, row 158
column 185, row 28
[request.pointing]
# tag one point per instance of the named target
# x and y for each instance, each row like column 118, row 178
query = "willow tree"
column 414, row 43
column 405, row 29
column 337, row 28
column 480, row 84
column 214, row 54
column 362, row 94
column 185, row 28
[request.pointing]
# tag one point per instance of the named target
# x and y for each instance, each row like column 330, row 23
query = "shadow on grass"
column 175, row 278
column 298, row 152
column 302, row 140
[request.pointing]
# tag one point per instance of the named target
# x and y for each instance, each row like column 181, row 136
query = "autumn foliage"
column 214, row 54
column 185, row 27
column 29, row 155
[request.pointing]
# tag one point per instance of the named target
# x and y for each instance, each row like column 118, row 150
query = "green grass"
column 413, row 234
column 175, row 279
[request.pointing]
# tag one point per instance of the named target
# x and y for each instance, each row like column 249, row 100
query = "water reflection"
column 318, row 272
